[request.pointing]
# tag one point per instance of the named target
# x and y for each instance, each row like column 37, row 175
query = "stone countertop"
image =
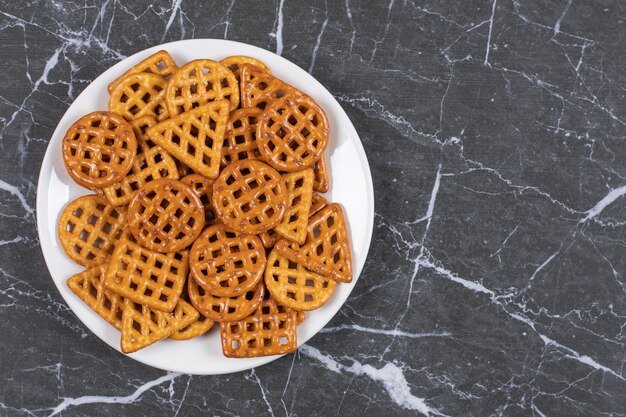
column 495, row 281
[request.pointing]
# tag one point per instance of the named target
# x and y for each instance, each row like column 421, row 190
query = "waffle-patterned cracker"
column 199, row 82
column 326, row 250
column 223, row 309
column 293, row 286
column 150, row 164
column 269, row 238
column 227, row 264
column 138, row 95
column 166, row 215
column 292, row 133
column 89, row 228
column 259, row 88
column 299, row 197
column 235, row 62
column 140, row 126
column 98, row 149
column 195, row 329
column 147, row 277
column 300, row 317
column 204, row 189
column 317, row 203
column 240, row 139
column 89, row 287
column 160, row 63
column 143, row 326
column 321, row 182
column 195, row 137
column 270, row 330
column 249, row 196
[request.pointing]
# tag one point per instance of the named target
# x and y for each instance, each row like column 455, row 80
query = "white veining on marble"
column 100, row 399
column 390, row 332
column 390, row 376
column 493, row 12
column 604, row 203
column 278, row 31
column 317, row 43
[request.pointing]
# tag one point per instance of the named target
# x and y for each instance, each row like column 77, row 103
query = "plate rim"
column 47, row 167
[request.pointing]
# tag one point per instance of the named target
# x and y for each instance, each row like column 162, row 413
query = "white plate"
column 351, row 185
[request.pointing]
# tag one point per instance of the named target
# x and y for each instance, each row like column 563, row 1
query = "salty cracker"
column 326, row 250
column 150, row 164
column 240, row 138
column 317, row 203
column 138, row 95
column 270, row 237
column 147, row 277
column 259, row 88
column 226, row 263
column 195, row 329
column 183, row 170
column 195, row 137
column 270, row 330
column 89, row 228
column 204, row 189
column 199, row 82
column 292, row 133
column 299, row 195
column 249, row 196
column 143, row 326
column 235, row 62
column 160, row 63
column 140, row 126
column 89, row 287
column 223, row 309
column 166, row 215
column 321, row 181
column 300, row 317
column 294, row 286
column 98, row 149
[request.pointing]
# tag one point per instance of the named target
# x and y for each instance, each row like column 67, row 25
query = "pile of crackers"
column 206, row 206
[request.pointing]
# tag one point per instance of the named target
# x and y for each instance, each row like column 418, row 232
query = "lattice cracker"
column 249, row 196
column 147, row 277
column 138, row 95
column 98, row 149
column 321, row 181
column 143, row 326
column 293, row 286
column 223, row 309
column 195, row 329
column 317, row 203
column 270, row 330
column 166, row 215
column 195, row 137
column 326, row 250
column 235, row 62
column 294, row 224
column 259, row 88
column 240, row 139
column 89, row 287
column 225, row 263
column 160, row 63
column 150, row 164
column 292, row 133
column 89, row 228
column 199, row 82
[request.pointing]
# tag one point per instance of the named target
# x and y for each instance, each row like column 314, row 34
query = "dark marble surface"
column 495, row 282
